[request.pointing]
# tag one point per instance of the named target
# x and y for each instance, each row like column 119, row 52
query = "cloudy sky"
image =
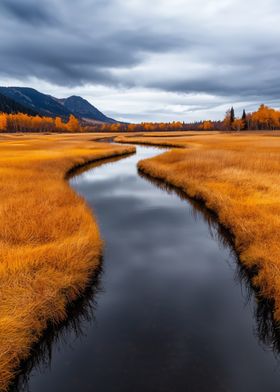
column 154, row 60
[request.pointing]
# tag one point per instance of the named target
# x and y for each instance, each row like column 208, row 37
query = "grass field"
column 237, row 176
column 49, row 242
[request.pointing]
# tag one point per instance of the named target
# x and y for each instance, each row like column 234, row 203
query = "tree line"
column 21, row 122
column 144, row 126
column 265, row 118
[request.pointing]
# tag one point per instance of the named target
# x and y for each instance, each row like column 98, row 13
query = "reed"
column 237, row 176
column 50, row 244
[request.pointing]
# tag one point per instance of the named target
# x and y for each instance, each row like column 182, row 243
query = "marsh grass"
column 49, row 241
column 237, row 176
column 267, row 328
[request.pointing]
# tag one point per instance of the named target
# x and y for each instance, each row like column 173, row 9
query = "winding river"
column 170, row 312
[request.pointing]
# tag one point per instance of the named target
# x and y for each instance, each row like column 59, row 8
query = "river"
column 169, row 312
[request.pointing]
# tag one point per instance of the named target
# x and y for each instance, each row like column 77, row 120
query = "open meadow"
column 237, row 176
column 50, row 244
column 139, row 196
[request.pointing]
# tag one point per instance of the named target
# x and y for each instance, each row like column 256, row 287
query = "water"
column 170, row 314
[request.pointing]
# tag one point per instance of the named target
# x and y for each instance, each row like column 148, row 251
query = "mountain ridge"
column 9, row 106
column 81, row 108
column 47, row 105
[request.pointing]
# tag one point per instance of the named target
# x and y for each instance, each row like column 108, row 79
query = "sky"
column 146, row 60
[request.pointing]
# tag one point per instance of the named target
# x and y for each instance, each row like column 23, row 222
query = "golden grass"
column 237, row 176
column 49, row 242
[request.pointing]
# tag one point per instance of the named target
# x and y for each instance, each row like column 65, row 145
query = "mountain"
column 31, row 98
column 8, row 105
column 81, row 108
column 46, row 105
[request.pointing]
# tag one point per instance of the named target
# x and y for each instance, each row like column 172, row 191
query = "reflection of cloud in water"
column 171, row 311
column 79, row 312
column 267, row 330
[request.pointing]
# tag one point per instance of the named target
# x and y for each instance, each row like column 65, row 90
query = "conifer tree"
column 232, row 115
column 244, row 119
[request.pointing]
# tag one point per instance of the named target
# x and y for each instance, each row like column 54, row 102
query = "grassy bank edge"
column 17, row 342
column 263, row 276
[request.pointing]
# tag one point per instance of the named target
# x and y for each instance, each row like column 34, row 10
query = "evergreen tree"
column 232, row 115
column 244, row 119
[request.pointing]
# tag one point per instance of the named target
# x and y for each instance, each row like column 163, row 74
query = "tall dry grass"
column 237, row 176
column 49, row 242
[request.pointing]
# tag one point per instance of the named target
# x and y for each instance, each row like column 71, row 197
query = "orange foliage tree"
column 73, row 124
column 3, row 122
column 206, row 125
column 59, row 124
column 143, row 127
column 265, row 118
column 21, row 122
column 238, row 124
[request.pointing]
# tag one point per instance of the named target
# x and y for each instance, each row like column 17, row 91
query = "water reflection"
column 170, row 317
column 268, row 330
column 80, row 311
column 84, row 168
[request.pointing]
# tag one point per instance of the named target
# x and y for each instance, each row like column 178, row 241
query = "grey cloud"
column 233, row 86
column 123, row 44
column 28, row 12
column 68, row 54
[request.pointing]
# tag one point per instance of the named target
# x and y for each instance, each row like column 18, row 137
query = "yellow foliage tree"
column 206, row 125
column 238, row 124
column 59, row 124
column 73, row 124
column 3, row 122
column 266, row 118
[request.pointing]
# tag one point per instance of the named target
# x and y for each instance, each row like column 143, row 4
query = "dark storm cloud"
column 187, row 46
column 216, row 86
column 62, row 49
column 26, row 12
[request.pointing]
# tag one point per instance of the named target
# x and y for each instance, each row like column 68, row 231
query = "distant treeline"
column 21, row 122
column 264, row 118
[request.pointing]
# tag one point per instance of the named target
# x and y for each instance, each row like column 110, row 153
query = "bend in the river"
column 170, row 313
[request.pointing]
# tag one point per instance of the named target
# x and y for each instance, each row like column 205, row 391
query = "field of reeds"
column 49, row 242
column 237, row 176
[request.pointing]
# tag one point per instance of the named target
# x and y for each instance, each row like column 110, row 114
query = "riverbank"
column 50, row 242
column 169, row 277
column 237, row 176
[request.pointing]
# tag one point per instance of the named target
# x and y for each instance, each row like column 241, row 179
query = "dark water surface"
column 171, row 314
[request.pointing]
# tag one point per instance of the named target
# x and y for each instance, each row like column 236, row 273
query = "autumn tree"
column 3, row 122
column 266, row 118
column 59, row 124
column 73, row 124
column 227, row 120
column 237, row 124
column 206, row 125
